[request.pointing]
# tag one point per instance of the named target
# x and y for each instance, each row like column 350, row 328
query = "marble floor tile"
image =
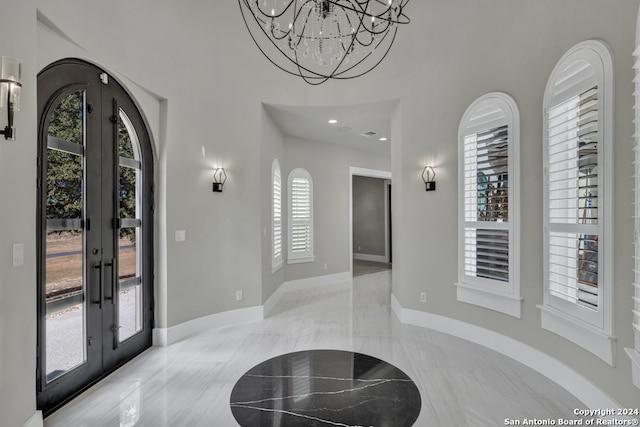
column 361, row 267
column 325, row 387
column 190, row 383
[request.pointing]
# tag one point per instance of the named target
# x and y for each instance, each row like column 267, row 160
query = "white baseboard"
column 367, row 257
column 635, row 365
column 308, row 283
column 579, row 332
column 35, row 420
column 159, row 337
column 396, row 307
column 168, row 336
column 546, row 365
column 496, row 301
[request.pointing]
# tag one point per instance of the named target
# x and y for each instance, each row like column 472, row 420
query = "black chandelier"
column 320, row 40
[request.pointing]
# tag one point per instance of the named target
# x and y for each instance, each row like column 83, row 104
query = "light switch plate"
column 18, row 254
column 181, row 235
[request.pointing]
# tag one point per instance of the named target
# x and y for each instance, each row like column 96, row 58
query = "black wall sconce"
column 429, row 178
column 10, row 92
column 219, row 178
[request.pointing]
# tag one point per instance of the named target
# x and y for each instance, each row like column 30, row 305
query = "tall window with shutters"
column 489, row 205
column 276, row 216
column 577, row 199
column 634, row 353
column 572, row 199
column 300, row 247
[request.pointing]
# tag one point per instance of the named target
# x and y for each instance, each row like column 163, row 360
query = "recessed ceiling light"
column 333, row 121
column 383, row 139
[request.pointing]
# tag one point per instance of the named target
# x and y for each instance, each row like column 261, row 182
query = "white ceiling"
column 312, row 123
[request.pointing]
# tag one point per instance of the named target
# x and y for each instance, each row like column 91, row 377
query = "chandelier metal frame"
column 319, row 40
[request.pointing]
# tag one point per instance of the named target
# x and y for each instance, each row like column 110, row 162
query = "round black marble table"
column 325, row 388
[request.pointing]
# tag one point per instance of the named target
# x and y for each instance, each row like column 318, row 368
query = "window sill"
column 635, row 365
column 301, row 260
column 579, row 332
column 502, row 303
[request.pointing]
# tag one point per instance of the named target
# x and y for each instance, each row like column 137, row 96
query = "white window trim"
column 634, row 353
column 504, row 298
column 276, row 261
column 294, row 258
column 596, row 337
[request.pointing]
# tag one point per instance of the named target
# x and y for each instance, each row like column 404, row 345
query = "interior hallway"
column 189, row 383
column 361, row 267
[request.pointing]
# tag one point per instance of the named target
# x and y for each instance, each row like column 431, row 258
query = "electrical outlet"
column 238, row 295
column 325, row 266
column 423, row 297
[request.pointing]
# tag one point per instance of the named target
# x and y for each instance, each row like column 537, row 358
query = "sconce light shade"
column 429, row 178
column 10, row 86
column 219, row 178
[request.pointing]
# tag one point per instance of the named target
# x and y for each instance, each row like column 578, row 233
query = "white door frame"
column 371, row 173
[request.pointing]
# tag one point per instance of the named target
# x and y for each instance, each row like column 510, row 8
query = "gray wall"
column 369, row 216
column 17, row 219
column 453, row 52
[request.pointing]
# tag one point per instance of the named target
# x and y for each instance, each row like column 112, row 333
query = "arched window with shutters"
column 578, row 196
column 300, row 187
column 276, row 215
column 488, row 257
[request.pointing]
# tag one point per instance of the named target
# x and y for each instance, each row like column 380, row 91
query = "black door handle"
column 114, row 281
column 98, row 267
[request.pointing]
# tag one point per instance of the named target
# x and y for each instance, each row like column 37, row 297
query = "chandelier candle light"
column 320, row 40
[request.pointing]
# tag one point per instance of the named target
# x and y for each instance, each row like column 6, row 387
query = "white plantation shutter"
column 634, row 353
column 572, row 175
column 488, row 257
column 636, row 283
column 578, row 188
column 486, row 200
column 300, row 216
column 276, row 226
column 487, row 253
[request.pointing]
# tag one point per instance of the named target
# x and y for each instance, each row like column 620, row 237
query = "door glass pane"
column 64, row 267
column 130, row 289
column 130, row 236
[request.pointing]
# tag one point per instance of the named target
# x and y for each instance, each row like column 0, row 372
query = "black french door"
column 95, row 230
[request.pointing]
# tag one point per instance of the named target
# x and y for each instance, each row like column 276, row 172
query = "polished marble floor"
column 190, row 383
column 362, row 267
